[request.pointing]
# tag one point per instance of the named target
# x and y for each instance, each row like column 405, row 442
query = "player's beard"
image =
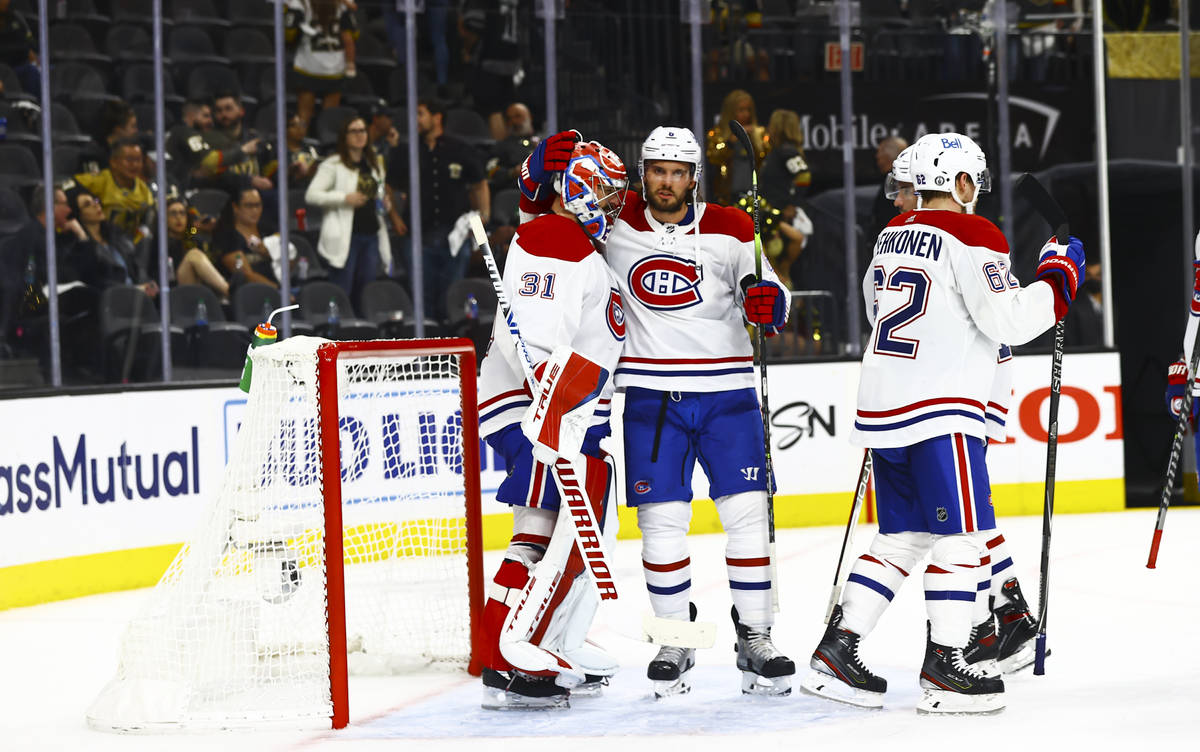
column 675, row 203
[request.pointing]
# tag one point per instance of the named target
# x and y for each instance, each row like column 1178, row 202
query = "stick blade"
column 1044, row 204
column 678, row 633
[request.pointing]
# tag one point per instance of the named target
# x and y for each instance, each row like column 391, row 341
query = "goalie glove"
column 568, row 390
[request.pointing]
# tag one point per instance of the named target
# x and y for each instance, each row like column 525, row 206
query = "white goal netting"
column 237, row 631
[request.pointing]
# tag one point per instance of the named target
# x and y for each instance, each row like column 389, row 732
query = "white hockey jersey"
column 941, row 299
column 682, row 290
column 562, row 293
column 1000, row 397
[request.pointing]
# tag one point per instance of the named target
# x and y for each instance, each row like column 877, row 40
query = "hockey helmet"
column 671, row 143
column 937, row 160
column 593, row 188
column 900, row 174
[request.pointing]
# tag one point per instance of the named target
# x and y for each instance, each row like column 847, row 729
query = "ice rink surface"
column 1124, row 673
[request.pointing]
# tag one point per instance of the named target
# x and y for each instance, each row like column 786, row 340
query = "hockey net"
column 345, row 537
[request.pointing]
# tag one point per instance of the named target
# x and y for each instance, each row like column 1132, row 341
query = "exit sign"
column 833, row 56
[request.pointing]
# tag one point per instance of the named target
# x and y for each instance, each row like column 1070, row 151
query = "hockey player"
column 941, row 299
column 1001, row 639
column 686, row 270
column 1177, row 373
column 568, row 307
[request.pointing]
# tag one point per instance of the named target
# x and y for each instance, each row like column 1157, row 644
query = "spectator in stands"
column 1085, row 320
column 122, row 191
column 730, row 164
column 107, row 256
column 24, row 249
column 349, row 187
column 244, row 148
column 190, row 261
column 238, row 243
column 785, row 175
column 193, row 159
column 883, row 210
column 116, row 121
column 490, row 35
column 510, row 152
column 18, row 49
column 453, row 182
column 382, row 133
column 316, row 27
column 302, row 155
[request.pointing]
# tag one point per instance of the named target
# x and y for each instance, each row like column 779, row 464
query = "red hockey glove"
column 766, row 305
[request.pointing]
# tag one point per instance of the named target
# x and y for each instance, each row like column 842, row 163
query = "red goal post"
column 293, row 582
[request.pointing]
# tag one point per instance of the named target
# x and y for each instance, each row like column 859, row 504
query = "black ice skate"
column 670, row 669
column 838, row 674
column 952, row 685
column 514, row 690
column 984, row 647
column 765, row 671
column 1015, row 630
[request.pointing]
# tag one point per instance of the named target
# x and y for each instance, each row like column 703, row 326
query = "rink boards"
column 97, row 492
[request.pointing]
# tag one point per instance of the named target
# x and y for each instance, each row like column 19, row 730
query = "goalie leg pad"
column 878, row 575
column 747, row 558
column 665, row 560
column 531, row 535
column 568, row 393
column 952, row 586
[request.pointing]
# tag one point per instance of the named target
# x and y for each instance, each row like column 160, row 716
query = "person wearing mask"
column 237, row 241
column 349, row 187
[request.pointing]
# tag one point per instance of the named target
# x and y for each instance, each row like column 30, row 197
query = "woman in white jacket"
column 349, row 187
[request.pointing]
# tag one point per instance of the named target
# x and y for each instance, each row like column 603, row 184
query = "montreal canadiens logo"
column 665, row 283
column 641, row 487
column 616, row 315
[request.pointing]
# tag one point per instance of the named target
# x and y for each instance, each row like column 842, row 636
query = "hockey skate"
column 514, row 690
column 1015, row 630
column 765, row 671
column 953, row 686
column 984, row 647
column 670, row 668
column 837, row 672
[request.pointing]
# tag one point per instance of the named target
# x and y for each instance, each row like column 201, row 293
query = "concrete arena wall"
column 98, row 492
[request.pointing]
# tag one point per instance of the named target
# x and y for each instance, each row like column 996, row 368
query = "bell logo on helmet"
column 951, row 143
column 665, row 283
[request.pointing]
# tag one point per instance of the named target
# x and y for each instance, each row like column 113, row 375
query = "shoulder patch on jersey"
column 726, row 220
column 970, row 229
column 554, row 236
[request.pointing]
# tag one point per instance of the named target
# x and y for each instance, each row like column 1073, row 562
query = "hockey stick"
column 860, row 493
column 1185, row 410
column 1033, row 191
column 761, row 353
column 573, row 503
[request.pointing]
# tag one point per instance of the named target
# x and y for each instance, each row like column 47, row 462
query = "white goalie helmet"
column 937, row 160
column 671, row 143
column 900, row 174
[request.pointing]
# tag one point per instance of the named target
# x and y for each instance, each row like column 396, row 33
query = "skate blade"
column 594, row 687
column 672, row 688
column 1020, row 660
column 941, row 702
column 820, row 684
column 777, row 686
column 499, row 699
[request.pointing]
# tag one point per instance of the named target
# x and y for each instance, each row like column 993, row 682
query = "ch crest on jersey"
column 616, row 315
column 665, row 283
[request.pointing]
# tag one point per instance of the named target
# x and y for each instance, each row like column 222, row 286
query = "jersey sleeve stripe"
column 721, row 372
column 912, row 421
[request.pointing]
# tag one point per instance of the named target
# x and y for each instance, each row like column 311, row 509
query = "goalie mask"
column 939, row 158
column 671, row 143
column 593, row 188
column 899, row 175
